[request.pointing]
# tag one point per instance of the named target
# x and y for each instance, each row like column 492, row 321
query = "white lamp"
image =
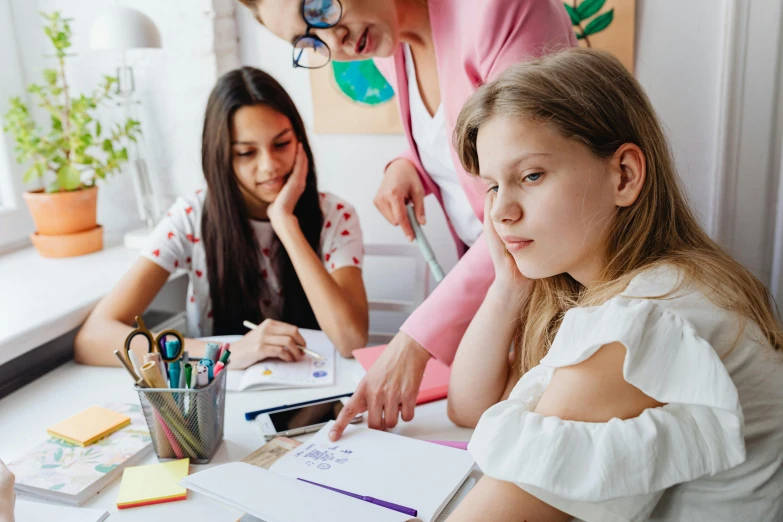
column 119, row 29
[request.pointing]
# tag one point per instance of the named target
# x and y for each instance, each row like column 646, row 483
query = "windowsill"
column 42, row 299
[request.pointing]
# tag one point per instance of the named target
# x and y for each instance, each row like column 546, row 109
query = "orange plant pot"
column 69, row 245
column 62, row 213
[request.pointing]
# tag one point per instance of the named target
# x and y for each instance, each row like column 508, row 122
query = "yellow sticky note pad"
column 89, row 426
column 153, row 484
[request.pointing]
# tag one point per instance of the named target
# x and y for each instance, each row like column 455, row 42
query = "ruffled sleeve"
column 619, row 469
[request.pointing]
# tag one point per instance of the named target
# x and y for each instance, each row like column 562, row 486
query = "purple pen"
column 371, row 500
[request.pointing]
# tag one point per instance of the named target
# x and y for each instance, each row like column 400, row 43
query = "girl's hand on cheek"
column 507, row 275
column 285, row 202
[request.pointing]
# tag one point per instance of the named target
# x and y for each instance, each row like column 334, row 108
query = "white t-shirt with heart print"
column 176, row 244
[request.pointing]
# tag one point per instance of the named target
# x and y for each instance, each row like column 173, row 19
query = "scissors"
column 156, row 343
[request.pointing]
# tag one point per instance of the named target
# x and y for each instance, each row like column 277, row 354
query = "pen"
column 222, row 362
column 315, row 355
column 378, row 502
column 424, row 246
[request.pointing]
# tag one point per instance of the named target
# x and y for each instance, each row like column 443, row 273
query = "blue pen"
column 253, row 414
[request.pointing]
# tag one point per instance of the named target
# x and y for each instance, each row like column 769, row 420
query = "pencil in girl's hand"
column 315, row 355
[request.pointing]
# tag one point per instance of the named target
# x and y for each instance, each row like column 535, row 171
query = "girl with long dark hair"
column 260, row 243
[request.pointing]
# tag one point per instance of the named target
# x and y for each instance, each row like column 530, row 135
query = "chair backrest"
column 397, row 280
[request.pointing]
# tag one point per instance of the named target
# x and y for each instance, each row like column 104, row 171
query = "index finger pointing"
column 356, row 405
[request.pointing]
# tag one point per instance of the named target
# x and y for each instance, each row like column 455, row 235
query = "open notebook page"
column 410, row 472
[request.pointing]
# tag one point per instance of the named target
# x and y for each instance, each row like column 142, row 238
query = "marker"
column 315, row 355
column 378, row 502
column 424, row 246
column 172, row 348
column 182, row 379
column 223, row 348
column 210, row 366
column 202, row 378
column 213, row 350
column 222, row 362
column 188, row 374
column 175, row 369
column 193, row 376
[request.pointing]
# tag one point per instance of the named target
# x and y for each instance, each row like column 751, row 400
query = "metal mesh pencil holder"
column 184, row 422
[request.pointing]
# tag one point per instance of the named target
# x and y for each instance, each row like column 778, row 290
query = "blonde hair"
column 586, row 95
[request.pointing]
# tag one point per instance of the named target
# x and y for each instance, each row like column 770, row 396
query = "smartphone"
column 298, row 420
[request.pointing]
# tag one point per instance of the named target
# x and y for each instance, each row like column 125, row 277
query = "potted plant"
column 69, row 156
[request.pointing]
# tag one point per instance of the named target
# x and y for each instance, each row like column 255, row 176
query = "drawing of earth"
column 319, row 374
column 362, row 82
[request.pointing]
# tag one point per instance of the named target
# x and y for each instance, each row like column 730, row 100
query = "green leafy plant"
column 75, row 150
column 582, row 12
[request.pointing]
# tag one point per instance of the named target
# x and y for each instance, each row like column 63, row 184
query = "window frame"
column 15, row 221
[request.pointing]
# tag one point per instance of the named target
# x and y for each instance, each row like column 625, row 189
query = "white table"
column 26, row 413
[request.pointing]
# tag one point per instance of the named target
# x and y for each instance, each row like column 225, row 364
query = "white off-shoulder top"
column 714, row 452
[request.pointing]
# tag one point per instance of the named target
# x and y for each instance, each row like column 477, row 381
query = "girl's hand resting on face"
column 507, row 275
column 285, row 202
column 270, row 339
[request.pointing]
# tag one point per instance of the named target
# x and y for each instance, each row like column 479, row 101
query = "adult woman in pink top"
column 435, row 53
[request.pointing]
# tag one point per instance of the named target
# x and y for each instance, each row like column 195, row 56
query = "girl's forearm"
column 97, row 340
column 342, row 320
column 481, row 366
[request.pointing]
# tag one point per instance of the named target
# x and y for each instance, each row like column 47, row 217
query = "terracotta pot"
column 63, row 212
column 69, row 245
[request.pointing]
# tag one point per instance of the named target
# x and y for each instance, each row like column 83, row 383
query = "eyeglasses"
column 317, row 14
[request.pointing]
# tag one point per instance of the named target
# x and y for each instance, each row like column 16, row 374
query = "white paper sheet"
column 405, row 471
column 28, row 511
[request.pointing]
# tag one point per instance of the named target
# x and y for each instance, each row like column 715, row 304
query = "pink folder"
column 434, row 385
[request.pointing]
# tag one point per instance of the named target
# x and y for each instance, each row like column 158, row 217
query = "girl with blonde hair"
column 649, row 359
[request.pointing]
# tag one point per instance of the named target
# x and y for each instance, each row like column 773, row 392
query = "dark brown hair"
column 233, row 255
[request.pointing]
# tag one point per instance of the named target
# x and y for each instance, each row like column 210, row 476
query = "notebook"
column 89, row 426
column 434, row 385
column 27, row 511
column 274, row 374
column 59, row 471
column 409, row 472
column 153, row 484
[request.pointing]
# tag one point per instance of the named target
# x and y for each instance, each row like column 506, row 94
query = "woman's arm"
column 113, row 318
column 482, row 367
column 339, row 300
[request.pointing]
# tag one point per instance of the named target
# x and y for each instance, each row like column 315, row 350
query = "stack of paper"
column 153, row 484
